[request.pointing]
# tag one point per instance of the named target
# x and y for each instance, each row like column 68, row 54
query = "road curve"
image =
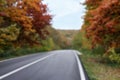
column 53, row 65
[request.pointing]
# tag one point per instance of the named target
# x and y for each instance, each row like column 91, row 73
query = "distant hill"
column 69, row 34
column 62, row 38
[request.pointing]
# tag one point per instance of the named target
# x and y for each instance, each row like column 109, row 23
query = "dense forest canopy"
column 28, row 16
column 102, row 26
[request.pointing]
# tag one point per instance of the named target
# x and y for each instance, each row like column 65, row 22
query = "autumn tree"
column 103, row 23
column 8, row 36
column 30, row 15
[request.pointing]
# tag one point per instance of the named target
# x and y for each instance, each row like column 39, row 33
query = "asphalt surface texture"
column 53, row 65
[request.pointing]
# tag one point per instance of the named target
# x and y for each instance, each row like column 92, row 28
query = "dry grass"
column 99, row 71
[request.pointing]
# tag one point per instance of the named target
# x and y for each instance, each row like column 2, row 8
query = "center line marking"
column 23, row 67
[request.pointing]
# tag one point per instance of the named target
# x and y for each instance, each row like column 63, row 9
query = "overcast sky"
column 67, row 13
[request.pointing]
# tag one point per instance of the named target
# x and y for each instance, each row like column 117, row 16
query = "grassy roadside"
column 97, row 70
column 21, row 52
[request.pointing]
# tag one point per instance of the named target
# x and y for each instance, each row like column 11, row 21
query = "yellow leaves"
column 112, row 55
column 19, row 16
column 3, row 36
column 2, row 41
column 29, row 15
column 32, row 4
column 9, row 34
column 1, row 20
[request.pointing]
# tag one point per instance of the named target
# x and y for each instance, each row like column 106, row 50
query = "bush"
column 112, row 56
column 98, row 50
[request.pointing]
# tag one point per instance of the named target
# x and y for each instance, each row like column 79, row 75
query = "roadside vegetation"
column 96, row 65
column 97, row 69
column 99, row 39
column 22, row 27
column 25, row 27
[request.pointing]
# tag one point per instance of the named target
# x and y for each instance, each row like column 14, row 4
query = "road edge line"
column 82, row 74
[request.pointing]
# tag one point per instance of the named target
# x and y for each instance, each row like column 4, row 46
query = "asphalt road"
column 53, row 65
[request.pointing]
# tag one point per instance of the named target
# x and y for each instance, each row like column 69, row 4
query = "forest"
column 26, row 28
column 101, row 28
column 99, row 39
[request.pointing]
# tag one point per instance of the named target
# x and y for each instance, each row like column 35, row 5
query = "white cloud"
column 67, row 13
column 61, row 8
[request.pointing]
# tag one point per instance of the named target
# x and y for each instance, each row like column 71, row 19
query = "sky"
column 67, row 14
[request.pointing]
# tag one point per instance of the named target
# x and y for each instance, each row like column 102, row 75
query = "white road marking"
column 79, row 53
column 23, row 67
column 82, row 74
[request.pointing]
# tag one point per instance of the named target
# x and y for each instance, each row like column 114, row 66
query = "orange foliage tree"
column 30, row 15
column 103, row 20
